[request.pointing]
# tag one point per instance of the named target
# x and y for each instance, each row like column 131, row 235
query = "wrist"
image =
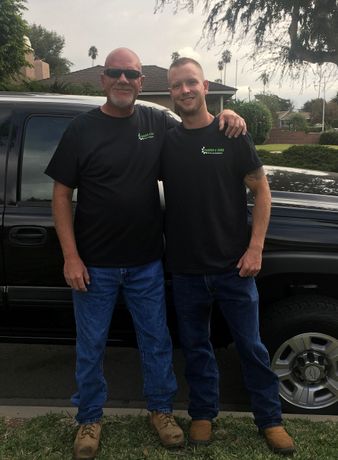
column 256, row 247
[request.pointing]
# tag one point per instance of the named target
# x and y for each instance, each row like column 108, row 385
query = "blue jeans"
column 143, row 290
column 237, row 298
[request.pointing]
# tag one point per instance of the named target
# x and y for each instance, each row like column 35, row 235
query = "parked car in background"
column 298, row 284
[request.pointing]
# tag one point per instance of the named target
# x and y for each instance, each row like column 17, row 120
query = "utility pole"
column 323, row 111
column 249, row 89
column 236, row 68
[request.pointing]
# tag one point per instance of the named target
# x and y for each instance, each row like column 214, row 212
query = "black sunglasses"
column 130, row 74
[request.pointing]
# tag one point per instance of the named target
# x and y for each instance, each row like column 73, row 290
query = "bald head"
column 121, row 81
column 124, row 58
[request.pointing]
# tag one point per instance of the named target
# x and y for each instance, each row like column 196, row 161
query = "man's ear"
column 141, row 85
column 206, row 86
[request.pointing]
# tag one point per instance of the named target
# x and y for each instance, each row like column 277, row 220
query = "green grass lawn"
column 273, row 147
column 131, row 438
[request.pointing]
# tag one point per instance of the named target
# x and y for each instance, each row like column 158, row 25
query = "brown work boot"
column 169, row 432
column 278, row 440
column 87, row 441
column 200, row 432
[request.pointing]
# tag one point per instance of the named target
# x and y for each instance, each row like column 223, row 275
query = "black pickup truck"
column 298, row 284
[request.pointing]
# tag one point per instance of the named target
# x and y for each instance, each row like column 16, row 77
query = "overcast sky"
column 108, row 24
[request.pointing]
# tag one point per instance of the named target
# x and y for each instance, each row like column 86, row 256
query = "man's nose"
column 122, row 78
column 185, row 88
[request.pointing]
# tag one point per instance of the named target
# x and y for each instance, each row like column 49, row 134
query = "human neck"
column 117, row 112
column 198, row 120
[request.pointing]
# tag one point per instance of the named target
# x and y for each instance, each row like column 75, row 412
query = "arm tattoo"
column 257, row 174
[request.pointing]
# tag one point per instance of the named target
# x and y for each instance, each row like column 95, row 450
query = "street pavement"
column 43, row 375
column 36, row 379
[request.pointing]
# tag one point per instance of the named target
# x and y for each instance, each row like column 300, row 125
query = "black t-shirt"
column 206, row 214
column 114, row 164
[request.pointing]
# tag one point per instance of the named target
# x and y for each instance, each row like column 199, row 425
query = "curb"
column 25, row 412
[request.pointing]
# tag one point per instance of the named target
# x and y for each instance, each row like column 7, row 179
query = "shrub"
column 303, row 156
column 58, row 86
column 298, row 122
column 329, row 138
column 257, row 116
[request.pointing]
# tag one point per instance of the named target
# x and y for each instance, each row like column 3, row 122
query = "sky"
column 109, row 24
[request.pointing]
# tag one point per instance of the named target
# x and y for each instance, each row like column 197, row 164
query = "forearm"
column 260, row 218
column 75, row 272
column 63, row 220
column 251, row 261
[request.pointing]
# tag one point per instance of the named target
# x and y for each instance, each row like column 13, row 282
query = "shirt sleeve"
column 171, row 122
column 64, row 165
column 248, row 159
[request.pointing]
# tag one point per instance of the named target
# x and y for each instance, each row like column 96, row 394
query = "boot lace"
column 88, row 430
column 167, row 420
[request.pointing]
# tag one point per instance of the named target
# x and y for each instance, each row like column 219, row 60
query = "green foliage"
column 58, row 87
column 257, row 116
column 12, row 44
column 315, row 157
column 274, row 103
column 290, row 32
column 329, row 138
column 48, row 46
column 298, row 122
column 315, row 108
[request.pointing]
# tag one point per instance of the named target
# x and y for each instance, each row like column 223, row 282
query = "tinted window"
column 42, row 135
column 4, row 131
column 5, row 124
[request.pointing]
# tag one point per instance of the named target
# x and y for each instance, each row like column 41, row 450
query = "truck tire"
column 301, row 334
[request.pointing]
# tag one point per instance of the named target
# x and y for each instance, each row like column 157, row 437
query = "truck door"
column 5, row 124
column 33, row 258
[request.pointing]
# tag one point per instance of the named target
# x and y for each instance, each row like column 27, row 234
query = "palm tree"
column 220, row 65
column 265, row 78
column 226, row 58
column 174, row 56
column 93, row 53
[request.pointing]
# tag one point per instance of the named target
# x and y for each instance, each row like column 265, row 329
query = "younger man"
column 212, row 256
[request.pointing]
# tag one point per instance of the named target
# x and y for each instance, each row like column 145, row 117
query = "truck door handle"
column 28, row 236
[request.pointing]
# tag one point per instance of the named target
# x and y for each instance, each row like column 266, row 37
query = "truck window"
column 42, row 135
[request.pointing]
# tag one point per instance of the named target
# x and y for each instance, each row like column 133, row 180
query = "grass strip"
column 50, row 437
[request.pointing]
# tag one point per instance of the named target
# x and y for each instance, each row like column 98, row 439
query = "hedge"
column 329, row 138
column 315, row 157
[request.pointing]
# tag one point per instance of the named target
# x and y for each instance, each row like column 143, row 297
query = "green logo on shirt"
column 146, row 136
column 212, row 151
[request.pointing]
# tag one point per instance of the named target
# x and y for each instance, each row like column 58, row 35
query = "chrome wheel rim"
column 307, row 368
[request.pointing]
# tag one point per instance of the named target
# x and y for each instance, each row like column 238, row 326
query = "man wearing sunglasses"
column 111, row 154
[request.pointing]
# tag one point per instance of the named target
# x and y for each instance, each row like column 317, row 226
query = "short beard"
column 121, row 104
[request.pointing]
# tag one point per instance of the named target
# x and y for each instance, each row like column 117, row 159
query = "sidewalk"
column 33, row 411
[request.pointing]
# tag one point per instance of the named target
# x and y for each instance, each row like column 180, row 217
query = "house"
column 37, row 69
column 155, row 86
column 283, row 120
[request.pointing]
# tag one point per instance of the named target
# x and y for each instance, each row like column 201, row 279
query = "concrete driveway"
column 43, row 375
